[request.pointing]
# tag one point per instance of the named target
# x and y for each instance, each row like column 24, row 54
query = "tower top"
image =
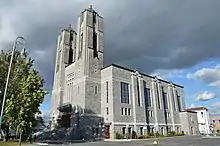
column 90, row 6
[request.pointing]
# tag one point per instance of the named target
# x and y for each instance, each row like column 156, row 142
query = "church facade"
column 126, row 99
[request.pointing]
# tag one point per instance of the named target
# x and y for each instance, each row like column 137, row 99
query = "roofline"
column 189, row 111
column 128, row 69
column 198, row 108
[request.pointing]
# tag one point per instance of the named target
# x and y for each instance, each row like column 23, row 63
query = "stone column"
column 171, row 102
column 154, row 84
column 141, row 90
column 133, row 87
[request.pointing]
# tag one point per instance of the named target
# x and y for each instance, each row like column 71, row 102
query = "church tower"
column 65, row 55
column 90, row 41
column 79, row 60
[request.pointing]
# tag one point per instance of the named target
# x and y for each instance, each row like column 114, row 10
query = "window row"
column 148, row 98
column 126, row 111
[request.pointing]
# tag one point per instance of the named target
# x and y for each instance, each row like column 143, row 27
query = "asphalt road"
column 174, row 141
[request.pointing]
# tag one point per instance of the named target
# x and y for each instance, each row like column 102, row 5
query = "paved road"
column 177, row 141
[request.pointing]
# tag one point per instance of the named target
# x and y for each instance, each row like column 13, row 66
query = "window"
column 107, row 91
column 202, row 114
column 147, row 97
column 107, row 112
column 165, row 100
column 213, row 121
column 167, row 114
column 125, row 111
column 158, row 95
column 138, row 94
column 96, row 89
column 129, row 130
column 124, row 93
column 179, row 103
column 150, row 113
column 129, row 111
column 123, row 130
column 78, row 90
column 141, row 130
column 122, row 111
column 174, row 105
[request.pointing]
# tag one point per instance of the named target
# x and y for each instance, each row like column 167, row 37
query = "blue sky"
column 203, row 76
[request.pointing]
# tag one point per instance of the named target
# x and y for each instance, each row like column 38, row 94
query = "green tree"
column 25, row 91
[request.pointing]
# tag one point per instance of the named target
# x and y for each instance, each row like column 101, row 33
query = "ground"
column 11, row 143
column 172, row 141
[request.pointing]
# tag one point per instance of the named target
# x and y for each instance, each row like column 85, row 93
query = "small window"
column 213, row 121
column 125, row 111
column 202, row 114
column 219, row 120
column 141, row 130
column 129, row 111
column 123, row 130
column 96, row 89
column 122, row 111
column 107, row 112
column 107, row 91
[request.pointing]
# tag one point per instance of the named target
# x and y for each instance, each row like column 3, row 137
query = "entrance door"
column 192, row 131
column 107, row 131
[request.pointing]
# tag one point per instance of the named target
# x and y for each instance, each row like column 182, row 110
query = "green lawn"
column 9, row 143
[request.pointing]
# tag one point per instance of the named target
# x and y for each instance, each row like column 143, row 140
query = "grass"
column 10, row 143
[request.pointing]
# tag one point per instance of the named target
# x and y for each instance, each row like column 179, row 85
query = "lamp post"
column 7, row 80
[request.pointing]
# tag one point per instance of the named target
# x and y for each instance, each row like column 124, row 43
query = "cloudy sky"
column 174, row 39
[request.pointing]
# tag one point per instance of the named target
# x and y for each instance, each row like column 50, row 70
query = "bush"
column 119, row 136
column 140, row 137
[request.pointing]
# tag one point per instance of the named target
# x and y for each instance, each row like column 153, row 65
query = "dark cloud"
column 147, row 35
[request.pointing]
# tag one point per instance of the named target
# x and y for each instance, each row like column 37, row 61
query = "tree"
column 25, row 91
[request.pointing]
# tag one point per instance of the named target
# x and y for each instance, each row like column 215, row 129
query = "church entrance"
column 65, row 120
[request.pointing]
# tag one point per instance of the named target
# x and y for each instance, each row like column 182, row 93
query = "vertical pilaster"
column 141, row 90
column 133, row 84
column 171, row 103
column 153, row 82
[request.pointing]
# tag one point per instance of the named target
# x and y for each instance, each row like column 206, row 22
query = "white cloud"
column 210, row 76
column 203, row 96
column 192, row 105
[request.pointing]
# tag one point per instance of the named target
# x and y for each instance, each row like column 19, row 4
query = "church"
column 126, row 99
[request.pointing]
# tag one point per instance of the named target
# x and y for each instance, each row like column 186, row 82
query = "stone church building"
column 126, row 99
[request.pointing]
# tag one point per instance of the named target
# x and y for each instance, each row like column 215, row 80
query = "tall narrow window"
column 158, row 95
column 124, row 93
column 138, row 93
column 107, row 91
column 107, row 111
column 96, row 89
column 179, row 103
column 147, row 97
column 165, row 100
column 126, row 113
column 174, row 103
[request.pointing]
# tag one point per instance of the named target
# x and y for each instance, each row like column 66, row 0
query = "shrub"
column 119, row 136
column 140, row 137
column 217, row 131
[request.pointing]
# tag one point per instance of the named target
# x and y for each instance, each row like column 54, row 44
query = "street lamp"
column 9, row 71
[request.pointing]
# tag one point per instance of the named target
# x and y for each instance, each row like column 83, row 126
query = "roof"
column 197, row 108
column 189, row 111
column 132, row 70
